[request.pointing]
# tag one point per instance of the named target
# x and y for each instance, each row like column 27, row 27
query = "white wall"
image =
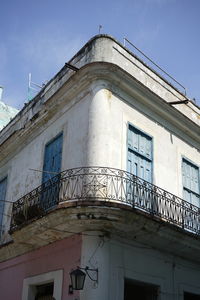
column 111, row 115
column 107, row 49
column 117, row 260
column 95, row 134
column 73, row 122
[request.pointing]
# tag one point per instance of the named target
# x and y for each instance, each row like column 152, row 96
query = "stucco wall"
column 108, row 138
column 73, row 122
column 62, row 255
column 117, row 260
column 90, row 129
column 104, row 48
column 94, row 127
column 95, row 134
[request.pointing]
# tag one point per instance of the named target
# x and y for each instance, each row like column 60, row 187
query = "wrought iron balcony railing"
column 106, row 184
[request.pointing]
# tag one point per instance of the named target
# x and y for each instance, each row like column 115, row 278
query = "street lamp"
column 78, row 278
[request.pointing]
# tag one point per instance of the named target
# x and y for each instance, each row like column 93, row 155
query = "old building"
column 102, row 167
column 6, row 112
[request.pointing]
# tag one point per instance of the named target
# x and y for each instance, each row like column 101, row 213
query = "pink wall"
column 65, row 254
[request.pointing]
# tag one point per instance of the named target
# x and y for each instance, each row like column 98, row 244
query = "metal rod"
column 125, row 39
column 33, row 88
column 36, row 84
column 48, row 172
column 124, row 43
column 179, row 102
column 29, row 80
column 71, row 67
column 86, row 269
column 6, row 201
column 100, row 27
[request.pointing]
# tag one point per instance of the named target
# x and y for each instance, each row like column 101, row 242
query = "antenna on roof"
column 100, row 27
column 1, row 92
column 33, row 88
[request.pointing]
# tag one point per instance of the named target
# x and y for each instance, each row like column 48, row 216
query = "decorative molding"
column 29, row 284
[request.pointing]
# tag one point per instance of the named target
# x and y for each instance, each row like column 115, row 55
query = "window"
column 52, row 158
column 191, row 190
column 140, row 291
column 43, row 287
column 189, row 296
column 139, row 154
column 3, row 185
column 51, row 168
column 44, row 292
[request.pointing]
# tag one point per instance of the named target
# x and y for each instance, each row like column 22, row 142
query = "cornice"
column 40, row 110
column 125, row 82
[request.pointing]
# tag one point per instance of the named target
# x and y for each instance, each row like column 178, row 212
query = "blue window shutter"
column 129, row 162
column 134, row 161
column 191, row 182
column 148, row 167
column 135, row 141
column 148, row 148
column 142, row 144
column 195, row 199
column 52, row 164
column 130, row 138
column 187, row 195
column 139, row 154
column 3, row 185
column 52, row 158
column 195, row 180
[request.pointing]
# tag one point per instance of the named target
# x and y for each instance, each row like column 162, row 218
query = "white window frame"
column 30, row 283
column 187, row 288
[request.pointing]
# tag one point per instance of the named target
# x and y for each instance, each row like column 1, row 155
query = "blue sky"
column 40, row 36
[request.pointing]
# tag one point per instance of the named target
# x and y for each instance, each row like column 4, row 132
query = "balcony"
column 110, row 187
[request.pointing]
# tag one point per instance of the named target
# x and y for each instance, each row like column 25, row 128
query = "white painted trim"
column 147, row 278
column 189, row 288
column 28, row 292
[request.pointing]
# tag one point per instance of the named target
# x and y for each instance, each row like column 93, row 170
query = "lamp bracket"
column 86, row 269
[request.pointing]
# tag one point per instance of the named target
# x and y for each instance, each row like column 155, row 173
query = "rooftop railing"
column 108, row 185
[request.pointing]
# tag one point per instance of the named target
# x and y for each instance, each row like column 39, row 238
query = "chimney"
column 1, row 92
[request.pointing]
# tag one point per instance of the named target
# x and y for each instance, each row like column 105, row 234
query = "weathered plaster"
column 62, row 255
column 92, row 108
column 118, row 259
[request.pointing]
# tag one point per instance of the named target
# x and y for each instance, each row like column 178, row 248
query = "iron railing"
column 106, row 184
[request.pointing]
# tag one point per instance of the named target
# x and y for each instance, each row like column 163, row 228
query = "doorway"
column 44, row 292
column 136, row 290
column 189, row 296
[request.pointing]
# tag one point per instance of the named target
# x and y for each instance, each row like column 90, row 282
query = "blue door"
column 51, row 170
column 191, row 183
column 52, row 158
column 3, row 185
column 139, row 154
column 140, row 164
